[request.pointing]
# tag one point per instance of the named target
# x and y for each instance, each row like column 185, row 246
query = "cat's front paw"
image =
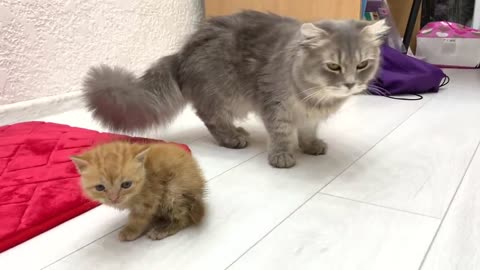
column 281, row 160
column 128, row 234
column 316, row 147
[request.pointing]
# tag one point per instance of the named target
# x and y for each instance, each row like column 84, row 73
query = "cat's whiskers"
column 311, row 88
column 318, row 97
column 312, row 96
column 307, row 97
column 317, row 90
column 321, row 99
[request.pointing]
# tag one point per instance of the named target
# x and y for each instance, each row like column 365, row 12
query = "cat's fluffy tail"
column 123, row 102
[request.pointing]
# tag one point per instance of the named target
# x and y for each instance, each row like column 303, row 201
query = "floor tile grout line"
column 380, row 206
column 211, row 178
column 379, row 141
column 318, row 191
column 449, row 206
column 196, row 140
column 80, row 248
column 222, row 173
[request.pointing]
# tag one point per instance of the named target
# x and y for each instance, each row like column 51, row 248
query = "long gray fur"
column 274, row 66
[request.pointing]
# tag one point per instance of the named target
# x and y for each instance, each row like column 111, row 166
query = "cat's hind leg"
column 161, row 232
column 307, row 138
column 190, row 212
column 219, row 121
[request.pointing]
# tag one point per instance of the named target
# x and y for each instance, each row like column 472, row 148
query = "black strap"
column 417, row 97
column 384, row 93
column 445, row 81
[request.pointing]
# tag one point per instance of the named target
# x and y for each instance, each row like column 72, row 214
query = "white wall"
column 46, row 46
column 476, row 15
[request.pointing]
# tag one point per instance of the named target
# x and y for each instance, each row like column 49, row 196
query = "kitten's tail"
column 123, row 102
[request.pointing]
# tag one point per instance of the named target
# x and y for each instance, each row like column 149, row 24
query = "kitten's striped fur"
column 166, row 186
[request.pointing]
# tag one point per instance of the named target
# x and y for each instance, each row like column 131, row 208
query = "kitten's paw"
column 317, row 147
column 281, row 160
column 156, row 234
column 238, row 142
column 127, row 234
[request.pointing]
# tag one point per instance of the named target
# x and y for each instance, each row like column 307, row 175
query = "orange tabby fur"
column 166, row 186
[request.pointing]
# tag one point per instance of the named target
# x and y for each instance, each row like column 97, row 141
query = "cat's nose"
column 349, row 85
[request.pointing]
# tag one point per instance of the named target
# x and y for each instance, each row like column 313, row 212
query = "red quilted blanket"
column 39, row 186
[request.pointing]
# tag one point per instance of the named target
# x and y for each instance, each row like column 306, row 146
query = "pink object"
column 447, row 30
column 448, row 44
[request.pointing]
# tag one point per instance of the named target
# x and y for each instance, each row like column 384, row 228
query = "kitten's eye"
column 100, row 187
column 334, row 67
column 362, row 65
column 126, row 184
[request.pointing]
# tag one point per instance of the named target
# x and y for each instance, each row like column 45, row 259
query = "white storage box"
column 449, row 44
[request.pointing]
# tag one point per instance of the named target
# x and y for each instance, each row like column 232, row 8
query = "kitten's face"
column 337, row 59
column 112, row 173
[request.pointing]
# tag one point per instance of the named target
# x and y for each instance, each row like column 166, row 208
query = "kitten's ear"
column 140, row 157
column 80, row 162
column 313, row 35
column 377, row 31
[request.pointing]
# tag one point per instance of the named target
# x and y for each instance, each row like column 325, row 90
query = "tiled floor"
column 398, row 189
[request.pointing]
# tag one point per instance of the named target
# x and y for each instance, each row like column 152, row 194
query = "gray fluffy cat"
column 291, row 74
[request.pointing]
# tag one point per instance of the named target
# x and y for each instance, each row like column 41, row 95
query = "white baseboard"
column 37, row 108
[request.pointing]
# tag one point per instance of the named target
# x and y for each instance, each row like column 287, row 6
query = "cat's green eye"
column 100, row 187
column 126, row 184
column 334, row 67
column 362, row 65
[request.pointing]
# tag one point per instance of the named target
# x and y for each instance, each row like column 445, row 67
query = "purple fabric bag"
column 401, row 74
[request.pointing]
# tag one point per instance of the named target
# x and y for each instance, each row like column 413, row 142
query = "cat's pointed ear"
column 377, row 31
column 80, row 163
column 313, row 36
column 140, row 157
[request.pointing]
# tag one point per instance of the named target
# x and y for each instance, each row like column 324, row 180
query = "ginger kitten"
column 161, row 184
